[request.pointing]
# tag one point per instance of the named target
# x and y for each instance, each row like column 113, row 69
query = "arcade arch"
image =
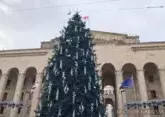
column 11, row 82
column 10, row 86
column 129, row 70
column 0, row 73
column 152, row 78
column 109, row 79
column 30, row 78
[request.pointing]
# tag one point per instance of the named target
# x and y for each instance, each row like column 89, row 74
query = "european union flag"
column 127, row 83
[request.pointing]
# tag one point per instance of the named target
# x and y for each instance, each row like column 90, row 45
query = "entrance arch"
column 11, row 83
column 109, row 80
column 30, row 78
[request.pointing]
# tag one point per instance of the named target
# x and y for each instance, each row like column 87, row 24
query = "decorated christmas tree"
column 71, row 88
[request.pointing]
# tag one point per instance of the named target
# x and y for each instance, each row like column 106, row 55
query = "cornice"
column 22, row 52
column 145, row 48
column 104, row 42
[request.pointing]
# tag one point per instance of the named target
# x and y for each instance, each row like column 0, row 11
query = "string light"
column 94, row 2
column 66, row 5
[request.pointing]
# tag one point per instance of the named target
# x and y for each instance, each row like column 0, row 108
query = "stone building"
column 119, row 55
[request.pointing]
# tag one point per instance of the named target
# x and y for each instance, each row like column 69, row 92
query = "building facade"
column 119, row 55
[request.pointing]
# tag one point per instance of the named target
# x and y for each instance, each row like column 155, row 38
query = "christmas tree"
column 72, row 86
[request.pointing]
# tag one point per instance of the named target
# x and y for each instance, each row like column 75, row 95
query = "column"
column 142, row 88
column 3, row 81
column 17, row 94
column 162, row 80
column 24, row 109
column 142, row 85
column 120, row 107
column 36, row 94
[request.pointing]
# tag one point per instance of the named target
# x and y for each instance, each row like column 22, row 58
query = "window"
column 8, row 83
column 4, row 97
column 19, row 110
column 28, row 110
column 151, row 78
column 33, row 81
column 25, row 81
column 30, row 96
column 2, row 110
column 22, row 96
column 156, row 110
column 153, row 94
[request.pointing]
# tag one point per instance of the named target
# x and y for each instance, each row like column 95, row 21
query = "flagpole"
column 135, row 96
column 88, row 22
column 124, row 101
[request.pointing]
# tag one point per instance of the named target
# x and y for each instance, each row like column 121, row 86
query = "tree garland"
column 146, row 104
column 10, row 104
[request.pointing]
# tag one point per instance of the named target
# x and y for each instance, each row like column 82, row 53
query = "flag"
column 85, row 17
column 127, row 83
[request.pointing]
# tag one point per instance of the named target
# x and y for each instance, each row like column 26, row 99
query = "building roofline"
column 114, row 33
column 143, row 43
column 35, row 49
column 24, row 49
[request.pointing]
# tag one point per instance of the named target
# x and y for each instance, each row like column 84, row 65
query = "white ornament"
column 49, row 90
column 92, row 107
column 59, row 112
column 76, row 71
column 73, row 98
column 66, row 89
column 60, row 50
column 87, row 52
column 89, row 43
column 68, row 40
column 86, row 34
column 85, row 89
column 51, row 63
column 92, row 58
column 50, row 104
column 63, row 74
column 76, row 55
column 97, row 103
column 73, row 114
column 69, row 55
column 75, row 29
column 83, row 52
column 61, row 64
column 85, row 70
column 47, row 76
column 81, row 108
column 71, row 72
column 85, row 62
column 99, row 114
column 76, row 64
column 78, row 38
column 57, row 94
column 89, row 84
column 66, row 50
column 55, row 70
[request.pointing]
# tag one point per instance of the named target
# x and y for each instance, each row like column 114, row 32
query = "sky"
column 25, row 23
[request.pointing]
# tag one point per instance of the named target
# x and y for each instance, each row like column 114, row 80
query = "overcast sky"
column 26, row 28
